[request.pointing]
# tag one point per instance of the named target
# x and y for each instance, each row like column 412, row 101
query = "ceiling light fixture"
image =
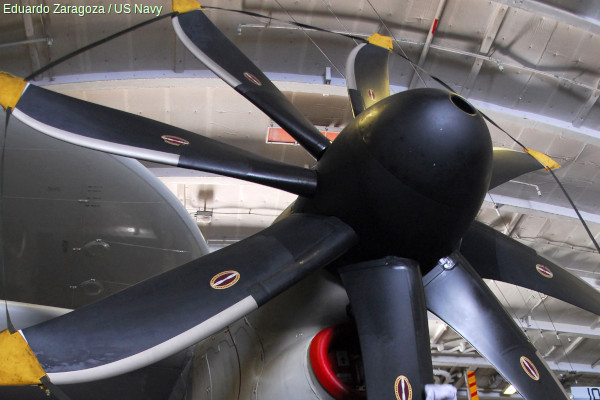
column 510, row 390
column 203, row 217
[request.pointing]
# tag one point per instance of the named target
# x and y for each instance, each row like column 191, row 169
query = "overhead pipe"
column 48, row 40
column 499, row 63
column 427, row 45
column 445, row 374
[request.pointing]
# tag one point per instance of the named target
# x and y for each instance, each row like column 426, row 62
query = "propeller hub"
column 409, row 175
column 432, row 141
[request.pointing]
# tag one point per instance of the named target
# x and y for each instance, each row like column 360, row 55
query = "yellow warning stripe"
column 183, row 6
column 18, row 364
column 545, row 160
column 472, row 385
column 382, row 41
column 11, row 88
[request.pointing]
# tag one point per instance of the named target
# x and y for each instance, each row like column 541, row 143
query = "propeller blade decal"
column 389, row 306
column 176, row 309
column 221, row 56
column 499, row 257
column 510, row 164
column 114, row 131
column 367, row 76
column 455, row 293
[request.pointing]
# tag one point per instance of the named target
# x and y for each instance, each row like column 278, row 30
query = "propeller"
column 496, row 256
column 455, row 293
column 387, row 201
column 222, row 57
column 117, row 132
column 367, row 79
column 367, row 76
column 510, row 164
column 174, row 310
column 388, row 303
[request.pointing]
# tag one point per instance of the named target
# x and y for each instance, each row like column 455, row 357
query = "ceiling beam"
column 427, row 45
column 491, row 32
column 541, row 122
column 561, row 329
column 569, row 349
column 34, row 56
column 480, row 362
column 584, row 22
column 178, row 56
column 538, row 208
column 584, row 111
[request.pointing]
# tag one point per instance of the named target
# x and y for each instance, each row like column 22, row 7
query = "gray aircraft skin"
column 78, row 226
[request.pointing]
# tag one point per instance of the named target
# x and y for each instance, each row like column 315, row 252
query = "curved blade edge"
column 113, row 131
column 455, row 293
column 388, row 303
column 367, row 76
column 499, row 257
column 509, row 164
column 220, row 55
column 174, row 310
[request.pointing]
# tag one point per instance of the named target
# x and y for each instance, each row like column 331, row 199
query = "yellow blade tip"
column 382, row 41
column 183, row 6
column 18, row 364
column 545, row 160
column 11, row 88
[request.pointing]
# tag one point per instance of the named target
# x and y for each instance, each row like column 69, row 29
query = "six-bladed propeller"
column 387, row 203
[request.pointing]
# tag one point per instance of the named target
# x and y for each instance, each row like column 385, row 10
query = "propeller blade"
column 367, row 76
column 509, row 164
column 222, row 57
column 174, row 310
column 499, row 257
column 455, row 293
column 389, row 307
column 114, row 131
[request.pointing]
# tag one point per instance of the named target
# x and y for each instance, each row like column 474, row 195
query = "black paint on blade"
column 255, row 86
column 356, row 101
column 156, row 310
column 510, row 164
column 457, row 295
column 108, row 125
column 371, row 73
column 389, row 306
column 499, row 257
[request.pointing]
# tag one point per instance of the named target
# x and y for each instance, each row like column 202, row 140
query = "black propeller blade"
column 174, row 310
column 367, row 76
column 211, row 47
column 499, row 257
column 388, row 303
column 510, row 164
column 114, row 131
column 367, row 80
column 455, row 293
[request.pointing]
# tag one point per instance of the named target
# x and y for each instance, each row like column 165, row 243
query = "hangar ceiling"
column 533, row 66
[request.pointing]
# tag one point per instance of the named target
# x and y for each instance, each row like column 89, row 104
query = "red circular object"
column 319, row 360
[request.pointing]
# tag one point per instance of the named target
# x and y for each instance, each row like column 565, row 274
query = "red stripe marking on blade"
column 174, row 140
column 544, row 271
column 252, row 78
column 402, row 388
column 529, row 368
column 225, row 279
